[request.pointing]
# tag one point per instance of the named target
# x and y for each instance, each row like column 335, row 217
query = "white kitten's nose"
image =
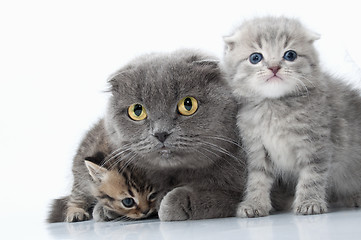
column 274, row 69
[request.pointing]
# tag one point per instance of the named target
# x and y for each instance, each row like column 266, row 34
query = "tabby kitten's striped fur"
column 122, row 195
column 122, row 192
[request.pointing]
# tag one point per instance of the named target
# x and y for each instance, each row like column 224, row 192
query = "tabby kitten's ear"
column 96, row 172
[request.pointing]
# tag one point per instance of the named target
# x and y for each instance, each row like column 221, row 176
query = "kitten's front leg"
column 101, row 214
column 257, row 202
column 77, row 208
column 311, row 190
column 76, row 212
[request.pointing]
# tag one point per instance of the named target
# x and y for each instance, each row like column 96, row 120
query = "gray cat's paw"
column 75, row 214
column 250, row 209
column 310, row 207
column 101, row 214
column 176, row 205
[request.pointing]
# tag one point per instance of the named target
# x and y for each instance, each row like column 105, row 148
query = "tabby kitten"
column 119, row 193
column 173, row 116
column 298, row 124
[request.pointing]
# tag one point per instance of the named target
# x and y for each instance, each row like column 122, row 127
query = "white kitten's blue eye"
column 255, row 58
column 128, row 202
column 290, row 55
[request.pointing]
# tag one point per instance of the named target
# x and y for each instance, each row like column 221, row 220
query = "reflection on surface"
column 332, row 225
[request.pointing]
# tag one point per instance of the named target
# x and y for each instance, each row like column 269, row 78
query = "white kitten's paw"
column 250, row 210
column 175, row 206
column 310, row 207
column 75, row 214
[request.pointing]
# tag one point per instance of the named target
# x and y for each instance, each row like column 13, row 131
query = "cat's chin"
column 274, row 88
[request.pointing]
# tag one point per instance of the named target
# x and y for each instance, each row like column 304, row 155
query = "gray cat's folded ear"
column 96, row 172
column 113, row 80
column 209, row 67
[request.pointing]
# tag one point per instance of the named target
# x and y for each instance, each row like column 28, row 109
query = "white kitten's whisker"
column 300, row 83
column 308, row 80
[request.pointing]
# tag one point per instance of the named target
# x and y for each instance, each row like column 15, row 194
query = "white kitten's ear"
column 313, row 36
column 96, row 172
column 229, row 42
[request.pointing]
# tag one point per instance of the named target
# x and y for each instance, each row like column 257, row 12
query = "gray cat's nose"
column 161, row 136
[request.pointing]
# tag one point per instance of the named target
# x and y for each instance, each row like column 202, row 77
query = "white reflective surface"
column 338, row 224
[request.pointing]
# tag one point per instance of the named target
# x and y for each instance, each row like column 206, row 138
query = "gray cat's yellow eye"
column 137, row 112
column 187, row 106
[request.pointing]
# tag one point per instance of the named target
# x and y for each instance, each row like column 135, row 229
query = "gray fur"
column 304, row 129
column 201, row 167
column 200, row 172
column 81, row 197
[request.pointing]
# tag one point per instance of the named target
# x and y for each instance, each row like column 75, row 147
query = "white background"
column 55, row 57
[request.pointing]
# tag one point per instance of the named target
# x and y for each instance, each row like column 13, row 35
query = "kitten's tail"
column 58, row 210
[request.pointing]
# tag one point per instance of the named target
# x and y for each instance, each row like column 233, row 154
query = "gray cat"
column 298, row 124
column 172, row 116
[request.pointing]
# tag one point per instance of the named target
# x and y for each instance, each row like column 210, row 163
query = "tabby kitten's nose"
column 161, row 136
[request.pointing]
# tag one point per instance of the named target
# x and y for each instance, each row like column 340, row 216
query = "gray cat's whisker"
column 126, row 164
column 115, row 156
column 119, row 149
column 214, row 154
column 116, row 151
column 220, row 149
column 198, row 150
column 214, row 161
column 224, row 139
column 123, row 159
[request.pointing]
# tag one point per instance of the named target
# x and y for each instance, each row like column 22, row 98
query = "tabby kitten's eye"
column 290, row 55
column 152, row 196
column 128, row 202
column 187, row 106
column 137, row 112
column 255, row 58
